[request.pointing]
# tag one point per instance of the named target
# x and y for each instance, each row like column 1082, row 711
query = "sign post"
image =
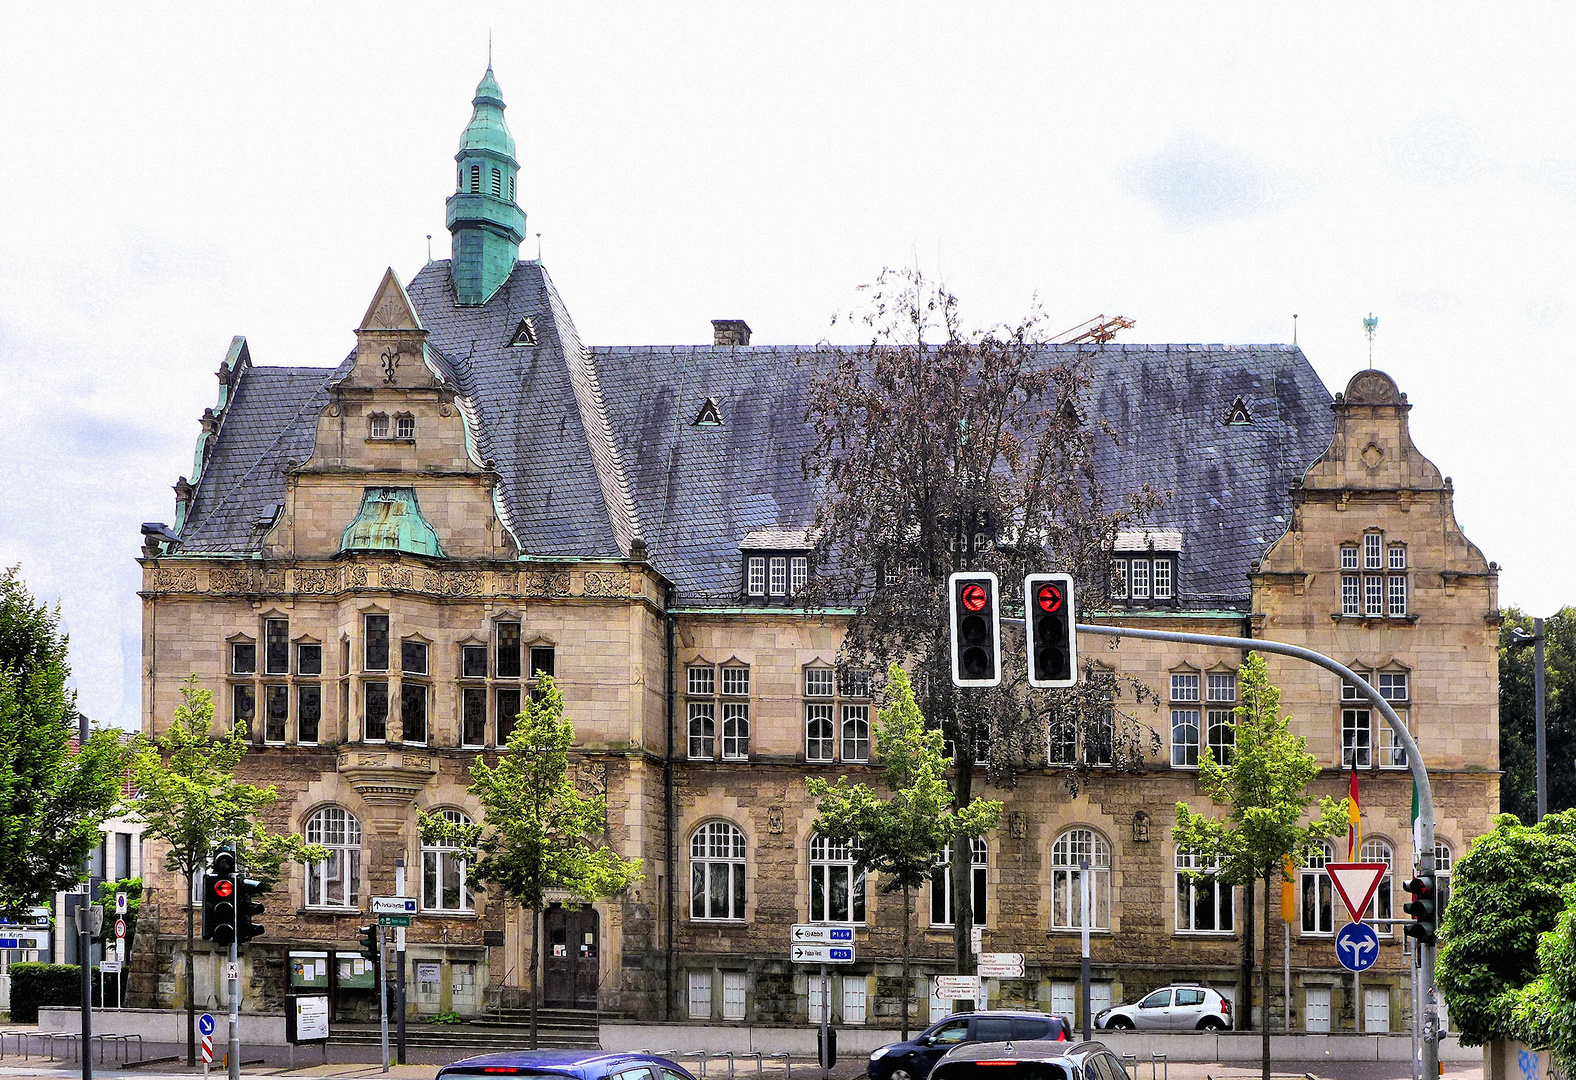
column 957, row 987
column 205, row 1026
column 1000, row 965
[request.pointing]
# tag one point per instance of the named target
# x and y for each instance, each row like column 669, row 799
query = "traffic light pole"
column 1414, row 758
column 383, row 997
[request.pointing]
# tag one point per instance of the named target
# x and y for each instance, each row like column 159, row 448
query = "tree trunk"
column 1264, row 1024
column 1245, row 1021
column 191, row 984
column 908, row 979
column 536, row 919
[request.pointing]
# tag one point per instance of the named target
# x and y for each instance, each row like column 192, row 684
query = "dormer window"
column 379, row 425
column 1144, row 567
column 525, row 333
column 775, row 564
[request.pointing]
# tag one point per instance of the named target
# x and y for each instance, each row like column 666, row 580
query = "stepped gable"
column 269, row 421
column 700, row 488
column 529, row 411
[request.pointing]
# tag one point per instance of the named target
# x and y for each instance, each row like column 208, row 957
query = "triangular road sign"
column 1356, row 882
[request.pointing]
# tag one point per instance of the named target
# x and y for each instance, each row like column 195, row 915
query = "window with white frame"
column 507, row 664
column 1119, row 579
column 1351, row 593
column 1373, row 595
column 1161, row 587
column 700, row 995
column 735, row 681
column 941, row 885
column 735, row 730
column 444, row 879
column 1184, row 738
column 755, row 575
column 1356, row 738
column 856, row 733
column 309, row 712
column 1318, row 894
column 1349, row 557
column 1068, row 852
column 1394, row 687
column 1221, row 686
column 379, row 425
column 702, row 729
column 778, row 584
column 1203, row 903
column 798, row 574
column 717, row 854
column 243, row 657
column 818, row 682
column 405, row 426
column 855, row 683
column 1397, row 557
column 334, row 882
column 1442, row 864
column 1220, row 691
column 1373, row 551
column 818, row 740
column 1397, row 596
column 855, row 987
column 733, row 991
column 702, row 680
column 375, row 711
column 837, row 888
column 1382, row 906
column 1138, row 582
column 1184, row 686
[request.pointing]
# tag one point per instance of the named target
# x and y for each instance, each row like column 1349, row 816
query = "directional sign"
column 810, row 933
column 1356, row 882
column 954, row 987
column 111, row 966
column 821, row 954
column 393, row 920
column 205, row 1023
column 1001, row 965
column 1357, row 946
column 393, row 905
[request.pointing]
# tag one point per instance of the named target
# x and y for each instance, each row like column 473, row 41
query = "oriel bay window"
column 717, row 853
column 413, row 693
column 508, row 662
column 276, row 716
column 376, row 652
column 276, row 655
column 375, row 711
column 837, row 889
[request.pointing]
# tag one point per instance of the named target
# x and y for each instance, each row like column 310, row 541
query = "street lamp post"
column 1520, row 639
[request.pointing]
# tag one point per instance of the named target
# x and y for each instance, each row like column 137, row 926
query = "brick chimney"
column 730, row 332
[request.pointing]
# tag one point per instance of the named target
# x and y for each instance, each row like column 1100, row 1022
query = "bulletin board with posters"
column 309, row 969
column 354, row 972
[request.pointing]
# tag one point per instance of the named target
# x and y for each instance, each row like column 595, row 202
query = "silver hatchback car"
column 1178, row 1007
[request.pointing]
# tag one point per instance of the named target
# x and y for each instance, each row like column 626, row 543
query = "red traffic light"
column 1049, row 598
column 223, row 887
column 973, row 596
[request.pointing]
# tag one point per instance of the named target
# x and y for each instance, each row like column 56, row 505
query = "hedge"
column 33, row 985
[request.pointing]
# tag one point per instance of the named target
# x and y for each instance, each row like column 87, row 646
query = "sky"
column 172, row 175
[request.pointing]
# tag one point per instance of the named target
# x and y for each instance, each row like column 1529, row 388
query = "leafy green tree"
column 537, row 833
column 1504, row 892
column 1518, row 787
column 52, row 798
column 899, row 836
column 1265, row 781
column 1544, row 1011
column 187, row 797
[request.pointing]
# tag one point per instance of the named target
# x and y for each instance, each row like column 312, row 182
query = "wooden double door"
column 573, row 950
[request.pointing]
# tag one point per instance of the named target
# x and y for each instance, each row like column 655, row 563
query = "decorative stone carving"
column 356, row 577
column 230, row 579
column 1372, row 455
column 316, row 581
column 1018, row 824
column 604, row 583
column 393, row 576
column 387, row 779
column 774, row 819
column 591, row 778
column 452, row 582
column 274, row 581
column 1141, row 827
column 184, row 580
column 545, row 583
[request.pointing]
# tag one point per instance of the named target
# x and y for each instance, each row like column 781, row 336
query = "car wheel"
column 1119, row 1023
column 900, row 1073
column 1209, row 1023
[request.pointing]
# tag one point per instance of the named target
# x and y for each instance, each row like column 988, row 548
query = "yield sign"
column 1356, row 882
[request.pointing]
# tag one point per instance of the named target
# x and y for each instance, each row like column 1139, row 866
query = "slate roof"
column 700, row 489
column 596, row 446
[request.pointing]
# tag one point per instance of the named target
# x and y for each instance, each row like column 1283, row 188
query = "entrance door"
column 573, row 952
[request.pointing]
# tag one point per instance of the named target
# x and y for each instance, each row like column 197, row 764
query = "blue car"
column 568, row 1065
column 914, row 1059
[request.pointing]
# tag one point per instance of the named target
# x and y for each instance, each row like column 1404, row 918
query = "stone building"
column 372, row 562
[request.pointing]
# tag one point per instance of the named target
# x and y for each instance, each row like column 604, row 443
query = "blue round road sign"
column 205, row 1023
column 1357, row 946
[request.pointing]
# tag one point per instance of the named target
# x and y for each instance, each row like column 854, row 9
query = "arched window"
column 380, row 426
column 1318, row 894
column 405, row 426
column 837, row 890
column 717, row 872
column 1383, row 905
column 497, row 182
column 1442, row 864
column 476, row 178
column 445, row 885
column 1203, row 904
column 336, row 880
column 702, row 729
column 1071, row 850
column 941, row 885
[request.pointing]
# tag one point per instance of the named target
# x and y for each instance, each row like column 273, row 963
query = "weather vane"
column 1370, row 325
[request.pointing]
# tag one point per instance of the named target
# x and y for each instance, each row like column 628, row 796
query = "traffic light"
column 218, row 899
column 976, row 629
column 369, row 946
column 1425, row 918
column 1050, row 630
column 247, row 908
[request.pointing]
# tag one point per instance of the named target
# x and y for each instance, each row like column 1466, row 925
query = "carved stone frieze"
column 274, row 581
column 453, row 582
column 182, row 580
column 230, row 579
column 356, row 577
column 606, row 583
column 393, row 576
column 591, row 778
column 544, row 583
column 316, row 581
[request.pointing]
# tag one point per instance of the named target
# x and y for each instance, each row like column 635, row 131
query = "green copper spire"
column 483, row 217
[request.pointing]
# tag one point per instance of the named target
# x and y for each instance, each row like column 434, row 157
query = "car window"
column 955, row 1032
column 669, row 1074
column 1024, row 1027
column 1090, row 1072
column 1118, row 1070
column 1158, row 1000
column 993, row 1029
column 1025, row 1070
column 641, row 1073
column 1190, row 997
column 1104, row 1065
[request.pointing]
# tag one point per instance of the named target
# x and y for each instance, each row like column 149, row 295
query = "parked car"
column 1030, row 1061
column 1178, row 1007
column 568, row 1064
column 914, row 1059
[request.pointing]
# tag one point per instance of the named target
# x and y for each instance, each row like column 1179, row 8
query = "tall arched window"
column 445, row 883
column 1203, row 904
column 717, row 872
column 941, row 885
column 1383, row 904
column 837, row 889
column 1318, row 894
column 336, row 880
column 1071, row 849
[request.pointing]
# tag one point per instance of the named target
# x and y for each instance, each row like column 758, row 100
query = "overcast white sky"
column 170, row 176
